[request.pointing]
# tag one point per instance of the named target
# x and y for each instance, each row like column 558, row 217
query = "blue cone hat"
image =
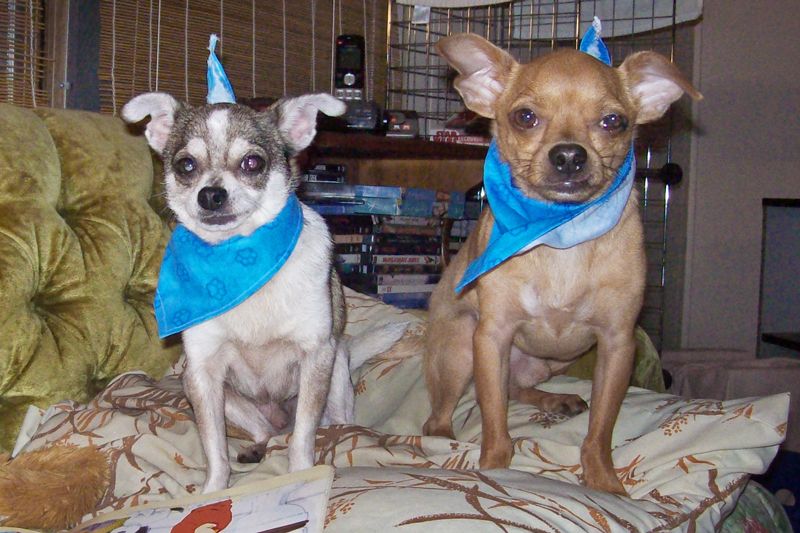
column 593, row 45
column 219, row 88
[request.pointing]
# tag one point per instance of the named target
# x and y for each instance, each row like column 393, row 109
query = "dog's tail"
column 368, row 344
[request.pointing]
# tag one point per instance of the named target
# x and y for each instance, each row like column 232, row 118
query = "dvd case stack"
column 388, row 241
column 396, row 258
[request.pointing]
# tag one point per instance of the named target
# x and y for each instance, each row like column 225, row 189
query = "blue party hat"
column 593, row 45
column 219, row 88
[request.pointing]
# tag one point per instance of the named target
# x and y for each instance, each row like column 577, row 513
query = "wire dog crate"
column 418, row 79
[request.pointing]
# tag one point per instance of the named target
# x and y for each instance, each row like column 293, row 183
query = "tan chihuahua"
column 564, row 125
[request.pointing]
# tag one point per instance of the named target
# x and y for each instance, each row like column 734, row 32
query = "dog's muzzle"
column 212, row 198
column 568, row 159
column 570, row 162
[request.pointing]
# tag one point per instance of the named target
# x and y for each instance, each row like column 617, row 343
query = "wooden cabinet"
column 379, row 160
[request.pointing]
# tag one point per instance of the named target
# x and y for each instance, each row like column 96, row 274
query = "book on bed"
column 291, row 502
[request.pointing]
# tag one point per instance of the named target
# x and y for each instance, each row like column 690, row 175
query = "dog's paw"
column 214, row 484
column 550, row 402
column 434, row 428
column 564, row 404
column 496, row 455
column 605, row 484
column 252, row 454
column 603, row 480
column 299, row 462
column 598, row 470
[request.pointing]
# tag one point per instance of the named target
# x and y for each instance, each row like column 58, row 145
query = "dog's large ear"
column 483, row 70
column 297, row 117
column 655, row 83
column 161, row 108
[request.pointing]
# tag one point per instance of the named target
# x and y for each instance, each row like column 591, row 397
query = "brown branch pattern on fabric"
column 146, row 429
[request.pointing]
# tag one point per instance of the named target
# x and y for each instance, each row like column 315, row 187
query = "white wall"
column 747, row 147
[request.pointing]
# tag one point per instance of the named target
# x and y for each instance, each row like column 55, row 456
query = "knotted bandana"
column 521, row 223
column 199, row 281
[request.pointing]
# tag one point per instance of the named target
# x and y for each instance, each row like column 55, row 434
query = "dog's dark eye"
column 185, row 166
column 524, row 118
column 252, row 164
column 614, row 123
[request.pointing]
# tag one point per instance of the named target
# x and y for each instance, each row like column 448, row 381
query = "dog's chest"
column 554, row 326
column 266, row 354
column 558, row 304
column 266, row 372
column 286, row 320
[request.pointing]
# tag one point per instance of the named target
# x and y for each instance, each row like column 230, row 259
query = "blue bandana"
column 521, row 223
column 199, row 281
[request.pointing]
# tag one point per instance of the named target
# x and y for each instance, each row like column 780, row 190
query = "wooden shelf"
column 369, row 146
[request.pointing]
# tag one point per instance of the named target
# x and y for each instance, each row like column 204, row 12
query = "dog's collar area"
column 199, row 281
column 522, row 223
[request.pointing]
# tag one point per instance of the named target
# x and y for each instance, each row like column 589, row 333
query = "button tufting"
column 73, row 230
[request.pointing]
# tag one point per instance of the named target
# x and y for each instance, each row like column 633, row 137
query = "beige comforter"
column 683, row 462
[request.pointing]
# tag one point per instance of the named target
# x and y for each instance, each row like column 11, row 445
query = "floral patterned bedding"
column 684, row 462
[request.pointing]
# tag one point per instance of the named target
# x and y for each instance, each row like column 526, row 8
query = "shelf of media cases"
column 373, row 146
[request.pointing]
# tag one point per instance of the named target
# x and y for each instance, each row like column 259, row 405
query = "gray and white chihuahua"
column 229, row 170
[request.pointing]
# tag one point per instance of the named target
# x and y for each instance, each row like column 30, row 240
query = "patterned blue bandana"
column 199, row 281
column 521, row 223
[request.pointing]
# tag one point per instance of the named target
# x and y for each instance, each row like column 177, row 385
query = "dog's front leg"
column 449, row 365
column 491, row 345
column 612, row 374
column 315, row 377
column 203, row 382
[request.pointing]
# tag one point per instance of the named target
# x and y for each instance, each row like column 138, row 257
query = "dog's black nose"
column 568, row 158
column 212, row 198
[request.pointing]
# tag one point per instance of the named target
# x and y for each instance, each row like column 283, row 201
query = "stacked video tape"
column 393, row 257
column 389, row 241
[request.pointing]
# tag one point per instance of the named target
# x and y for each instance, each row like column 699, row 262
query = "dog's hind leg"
column 341, row 398
column 448, row 370
column 247, row 416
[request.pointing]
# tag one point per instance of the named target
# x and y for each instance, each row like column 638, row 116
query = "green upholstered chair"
column 80, row 248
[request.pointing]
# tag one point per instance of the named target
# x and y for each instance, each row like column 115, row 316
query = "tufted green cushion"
column 80, row 247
